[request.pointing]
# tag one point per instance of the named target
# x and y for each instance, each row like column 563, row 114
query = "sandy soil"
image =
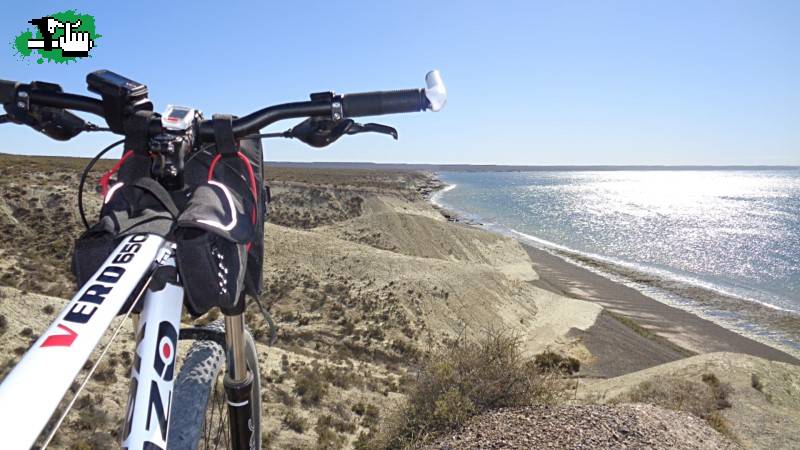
column 764, row 401
column 585, row 427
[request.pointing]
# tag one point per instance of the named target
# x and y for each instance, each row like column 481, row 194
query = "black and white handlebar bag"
column 217, row 223
column 220, row 233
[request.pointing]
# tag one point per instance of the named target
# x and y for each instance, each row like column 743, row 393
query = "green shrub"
column 327, row 439
column 453, row 408
column 340, row 425
column 364, row 441
column 553, row 362
column 464, row 379
column 310, row 386
column 295, row 422
column 371, row 416
column 338, row 376
column 359, row 408
column 92, row 418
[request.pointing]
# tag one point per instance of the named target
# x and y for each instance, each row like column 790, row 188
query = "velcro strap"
column 157, row 190
column 136, row 128
column 223, row 134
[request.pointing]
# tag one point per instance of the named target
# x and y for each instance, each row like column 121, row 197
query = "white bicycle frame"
column 33, row 390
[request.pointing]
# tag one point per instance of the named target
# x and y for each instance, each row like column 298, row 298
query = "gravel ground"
column 585, row 427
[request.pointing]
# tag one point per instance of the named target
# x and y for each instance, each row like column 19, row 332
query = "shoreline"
column 685, row 333
column 682, row 328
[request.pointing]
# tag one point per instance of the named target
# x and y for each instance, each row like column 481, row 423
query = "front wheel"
column 199, row 417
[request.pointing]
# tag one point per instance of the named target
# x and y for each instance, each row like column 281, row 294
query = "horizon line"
column 485, row 165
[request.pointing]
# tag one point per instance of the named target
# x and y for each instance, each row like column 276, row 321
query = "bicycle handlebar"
column 255, row 121
column 352, row 105
column 336, row 107
column 68, row 101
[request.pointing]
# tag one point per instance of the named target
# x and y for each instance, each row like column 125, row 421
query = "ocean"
column 723, row 244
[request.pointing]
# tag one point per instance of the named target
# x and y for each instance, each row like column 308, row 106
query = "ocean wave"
column 438, row 194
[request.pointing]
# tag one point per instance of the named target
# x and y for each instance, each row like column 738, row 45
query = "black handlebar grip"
column 384, row 102
column 8, row 91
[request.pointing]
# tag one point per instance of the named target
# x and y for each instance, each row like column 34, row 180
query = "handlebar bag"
column 220, row 233
column 212, row 235
column 139, row 204
column 135, row 204
column 253, row 281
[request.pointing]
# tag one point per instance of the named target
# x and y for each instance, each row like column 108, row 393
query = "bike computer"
column 177, row 117
column 121, row 97
column 106, row 82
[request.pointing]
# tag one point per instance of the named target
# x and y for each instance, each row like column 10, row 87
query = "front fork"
column 238, row 384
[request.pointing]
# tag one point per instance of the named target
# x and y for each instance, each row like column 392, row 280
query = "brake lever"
column 56, row 123
column 372, row 128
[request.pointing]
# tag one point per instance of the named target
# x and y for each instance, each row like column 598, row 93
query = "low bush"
column 295, row 422
column 340, row 425
column 464, row 379
column 310, row 386
column 703, row 400
column 359, row 408
column 755, row 382
column 370, row 417
column 338, row 376
column 328, row 439
column 92, row 418
column 551, row 361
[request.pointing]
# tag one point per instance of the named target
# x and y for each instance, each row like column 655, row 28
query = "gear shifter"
column 322, row 131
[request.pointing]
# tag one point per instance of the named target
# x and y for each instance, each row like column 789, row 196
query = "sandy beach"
column 680, row 327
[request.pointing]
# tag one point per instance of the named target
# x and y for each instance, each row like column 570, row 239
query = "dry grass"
column 702, row 399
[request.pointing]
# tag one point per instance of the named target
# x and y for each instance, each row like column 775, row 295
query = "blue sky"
column 531, row 82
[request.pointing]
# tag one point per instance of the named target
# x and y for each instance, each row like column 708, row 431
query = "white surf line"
column 637, row 267
column 438, row 194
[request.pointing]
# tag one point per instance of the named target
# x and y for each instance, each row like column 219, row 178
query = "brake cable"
column 273, row 330
column 85, row 174
column 283, row 134
column 92, row 127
